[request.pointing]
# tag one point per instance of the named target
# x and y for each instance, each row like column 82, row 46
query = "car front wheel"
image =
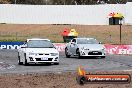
column 78, row 54
column 25, row 60
column 19, row 61
column 67, row 53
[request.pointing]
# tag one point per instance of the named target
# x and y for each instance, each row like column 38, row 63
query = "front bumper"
column 42, row 59
column 92, row 53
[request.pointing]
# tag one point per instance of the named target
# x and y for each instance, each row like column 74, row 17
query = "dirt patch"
column 104, row 33
column 53, row 80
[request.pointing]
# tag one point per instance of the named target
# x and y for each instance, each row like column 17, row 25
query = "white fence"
column 128, row 13
column 63, row 14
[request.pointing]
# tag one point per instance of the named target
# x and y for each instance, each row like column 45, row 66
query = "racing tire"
column 26, row 64
column 66, row 53
column 78, row 54
column 19, row 63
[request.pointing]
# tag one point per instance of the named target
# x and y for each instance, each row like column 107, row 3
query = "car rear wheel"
column 66, row 53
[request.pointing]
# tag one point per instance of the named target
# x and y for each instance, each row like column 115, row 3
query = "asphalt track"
column 8, row 64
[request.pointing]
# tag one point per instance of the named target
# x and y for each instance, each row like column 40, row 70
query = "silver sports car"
column 84, row 47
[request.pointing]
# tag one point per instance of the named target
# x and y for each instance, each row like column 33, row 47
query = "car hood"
column 91, row 46
column 42, row 50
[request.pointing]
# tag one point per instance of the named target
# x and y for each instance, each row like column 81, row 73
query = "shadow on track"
column 86, row 57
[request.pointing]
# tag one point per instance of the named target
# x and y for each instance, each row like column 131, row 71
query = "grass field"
column 105, row 34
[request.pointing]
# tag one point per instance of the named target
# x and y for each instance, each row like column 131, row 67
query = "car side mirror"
column 55, row 47
column 100, row 43
column 73, row 43
column 23, row 46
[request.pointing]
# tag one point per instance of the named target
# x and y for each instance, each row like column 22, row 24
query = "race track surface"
column 8, row 63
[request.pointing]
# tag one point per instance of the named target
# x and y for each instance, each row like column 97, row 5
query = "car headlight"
column 82, row 48
column 54, row 54
column 32, row 53
column 103, row 49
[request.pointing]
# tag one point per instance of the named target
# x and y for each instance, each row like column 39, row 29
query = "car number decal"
column 44, row 58
column 95, row 52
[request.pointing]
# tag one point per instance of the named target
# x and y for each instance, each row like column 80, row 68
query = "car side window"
column 25, row 42
column 74, row 40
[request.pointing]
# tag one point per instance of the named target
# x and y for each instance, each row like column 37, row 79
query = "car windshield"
column 39, row 44
column 87, row 41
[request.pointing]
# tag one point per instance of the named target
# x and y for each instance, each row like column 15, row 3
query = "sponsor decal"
column 10, row 45
column 83, row 78
column 60, row 46
column 95, row 52
column 110, row 49
column 118, row 49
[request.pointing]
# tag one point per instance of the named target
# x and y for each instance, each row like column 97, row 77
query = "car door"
column 73, row 46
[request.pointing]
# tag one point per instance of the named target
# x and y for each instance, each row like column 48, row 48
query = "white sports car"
column 38, row 51
column 85, row 47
